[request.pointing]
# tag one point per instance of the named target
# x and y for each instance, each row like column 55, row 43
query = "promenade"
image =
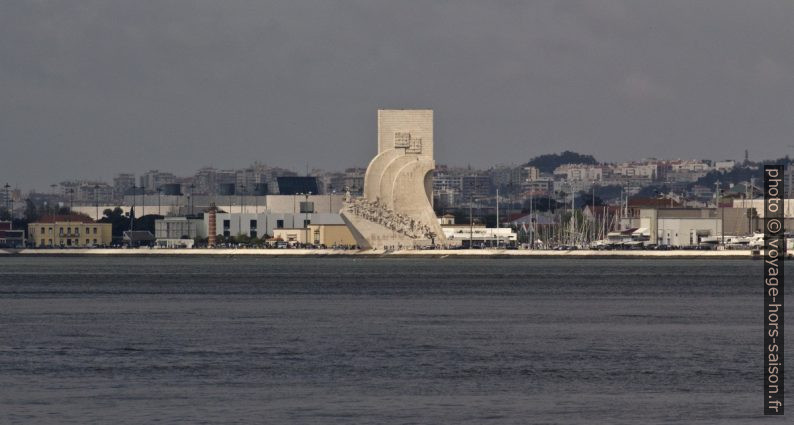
column 479, row 253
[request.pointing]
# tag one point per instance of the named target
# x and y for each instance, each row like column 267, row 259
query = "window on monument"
column 226, row 224
column 279, row 224
column 252, row 224
column 306, row 223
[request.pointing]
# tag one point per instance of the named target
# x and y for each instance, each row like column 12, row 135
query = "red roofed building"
column 73, row 230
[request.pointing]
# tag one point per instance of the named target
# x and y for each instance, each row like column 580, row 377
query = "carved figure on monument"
column 396, row 208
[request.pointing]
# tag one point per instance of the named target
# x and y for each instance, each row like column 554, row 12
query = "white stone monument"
column 396, row 210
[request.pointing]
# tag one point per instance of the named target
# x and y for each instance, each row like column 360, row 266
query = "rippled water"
column 313, row 340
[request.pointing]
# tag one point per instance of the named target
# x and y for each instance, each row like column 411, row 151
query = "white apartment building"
column 580, row 172
column 646, row 170
column 725, row 165
column 689, row 165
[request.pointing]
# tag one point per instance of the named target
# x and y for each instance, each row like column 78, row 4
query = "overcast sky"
column 92, row 88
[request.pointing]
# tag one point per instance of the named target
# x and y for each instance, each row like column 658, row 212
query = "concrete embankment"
column 464, row 253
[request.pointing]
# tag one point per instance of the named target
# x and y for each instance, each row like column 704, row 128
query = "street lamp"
column 71, row 200
column 96, row 200
column 471, row 221
column 304, row 208
column 159, row 191
column 306, row 216
column 190, row 198
column 132, row 210
column 242, row 203
column 8, row 198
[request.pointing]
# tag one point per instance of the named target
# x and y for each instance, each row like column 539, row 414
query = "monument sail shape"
column 396, row 210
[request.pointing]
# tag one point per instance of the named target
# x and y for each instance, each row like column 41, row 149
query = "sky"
column 92, row 88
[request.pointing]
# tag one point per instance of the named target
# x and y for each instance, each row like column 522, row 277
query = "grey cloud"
column 94, row 87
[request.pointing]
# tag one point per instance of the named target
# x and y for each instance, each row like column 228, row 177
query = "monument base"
column 371, row 235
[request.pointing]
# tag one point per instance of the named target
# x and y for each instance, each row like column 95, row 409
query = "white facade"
column 649, row 171
column 580, row 172
column 462, row 234
column 257, row 225
column 758, row 204
column 689, row 165
column 677, row 227
column 725, row 165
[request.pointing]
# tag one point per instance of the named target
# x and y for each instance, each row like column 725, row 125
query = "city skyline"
column 99, row 88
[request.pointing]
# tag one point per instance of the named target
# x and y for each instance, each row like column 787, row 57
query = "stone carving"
column 377, row 213
column 396, row 208
column 409, row 143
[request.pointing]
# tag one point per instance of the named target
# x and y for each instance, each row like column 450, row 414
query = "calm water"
column 254, row 340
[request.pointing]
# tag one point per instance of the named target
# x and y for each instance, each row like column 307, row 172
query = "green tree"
column 547, row 163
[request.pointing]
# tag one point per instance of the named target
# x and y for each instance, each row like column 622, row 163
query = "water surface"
column 380, row 341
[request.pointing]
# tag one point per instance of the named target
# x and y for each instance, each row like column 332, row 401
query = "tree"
column 547, row 163
column 119, row 220
column 147, row 222
column 541, row 204
column 31, row 212
column 588, row 199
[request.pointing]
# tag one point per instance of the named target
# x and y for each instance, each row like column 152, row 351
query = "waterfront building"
column 329, row 235
column 478, row 235
column 258, row 225
column 138, row 238
column 475, row 235
column 684, row 227
column 69, row 231
column 179, row 228
column 10, row 238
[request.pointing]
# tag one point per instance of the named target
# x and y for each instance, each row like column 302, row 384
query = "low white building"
column 478, row 235
column 683, row 227
column 258, row 225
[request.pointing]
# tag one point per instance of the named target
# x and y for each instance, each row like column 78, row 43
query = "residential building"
column 154, row 179
column 647, row 170
column 122, row 184
column 580, row 172
column 475, row 186
column 725, row 165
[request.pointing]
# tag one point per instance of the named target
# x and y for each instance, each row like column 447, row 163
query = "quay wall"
column 467, row 253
